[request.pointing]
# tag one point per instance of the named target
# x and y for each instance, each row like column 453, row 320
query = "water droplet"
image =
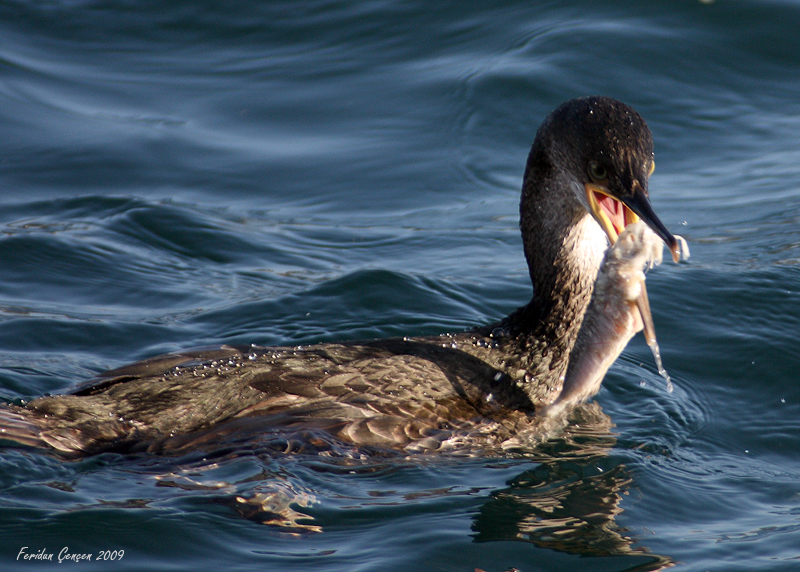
column 663, row 372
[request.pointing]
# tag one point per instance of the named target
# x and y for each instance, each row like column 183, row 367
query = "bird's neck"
column 564, row 247
column 563, row 282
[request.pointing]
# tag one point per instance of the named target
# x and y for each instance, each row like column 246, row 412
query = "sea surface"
column 191, row 173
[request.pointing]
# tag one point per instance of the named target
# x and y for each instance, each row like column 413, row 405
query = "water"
column 183, row 174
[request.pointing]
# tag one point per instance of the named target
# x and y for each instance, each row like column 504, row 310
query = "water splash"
column 657, row 356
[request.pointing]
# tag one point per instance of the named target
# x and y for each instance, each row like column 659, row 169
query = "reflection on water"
column 567, row 502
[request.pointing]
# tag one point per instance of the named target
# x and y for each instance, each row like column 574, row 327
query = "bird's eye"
column 597, row 171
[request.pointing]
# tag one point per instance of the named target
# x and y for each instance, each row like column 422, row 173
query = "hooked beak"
column 614, row 214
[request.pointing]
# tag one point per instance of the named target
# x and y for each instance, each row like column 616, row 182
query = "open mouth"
column 612, row 215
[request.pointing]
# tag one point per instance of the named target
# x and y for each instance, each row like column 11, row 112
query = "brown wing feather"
column 382, row 393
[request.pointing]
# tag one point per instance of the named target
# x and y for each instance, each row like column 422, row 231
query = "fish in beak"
column 619, row 308
column 615, row 214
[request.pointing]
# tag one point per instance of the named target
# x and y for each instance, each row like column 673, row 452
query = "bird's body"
column 392, row 393
column 480, row 387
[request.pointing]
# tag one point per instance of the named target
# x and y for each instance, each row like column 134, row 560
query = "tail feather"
column 19, row 429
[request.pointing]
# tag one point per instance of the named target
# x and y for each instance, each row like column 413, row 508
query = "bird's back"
column 397, row 393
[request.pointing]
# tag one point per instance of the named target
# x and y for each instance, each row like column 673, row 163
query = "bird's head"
column 607, row 149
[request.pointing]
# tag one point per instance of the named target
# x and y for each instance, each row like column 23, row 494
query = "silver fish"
column 618, row 310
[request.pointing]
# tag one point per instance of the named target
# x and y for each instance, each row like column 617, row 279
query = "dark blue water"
column 192, row 173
